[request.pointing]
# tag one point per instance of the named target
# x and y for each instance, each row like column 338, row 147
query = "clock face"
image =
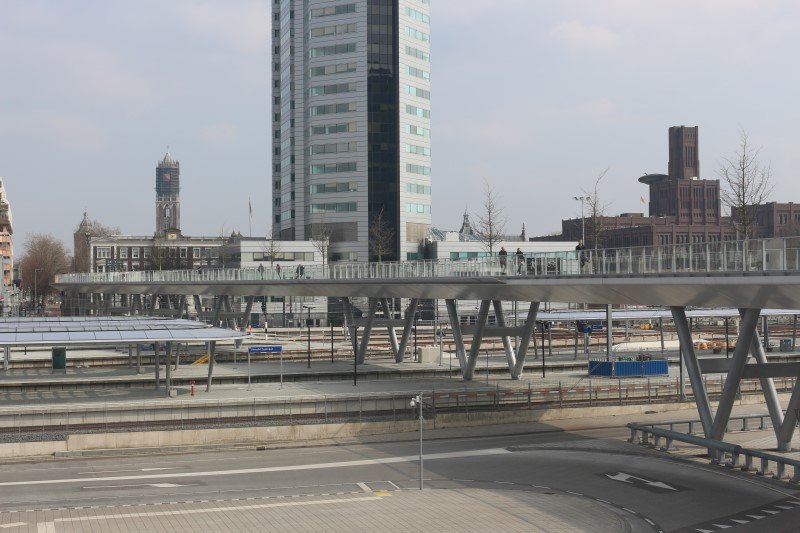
column 166, row 177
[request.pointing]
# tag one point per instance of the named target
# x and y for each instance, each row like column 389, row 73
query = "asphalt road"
column 586, row 481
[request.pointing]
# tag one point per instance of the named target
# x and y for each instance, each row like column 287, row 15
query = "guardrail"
column 778, row 254
column 722, row 453
column 743, row 421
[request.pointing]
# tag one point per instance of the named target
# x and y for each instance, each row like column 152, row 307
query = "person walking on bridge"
column 503, row 258
column 520, row 262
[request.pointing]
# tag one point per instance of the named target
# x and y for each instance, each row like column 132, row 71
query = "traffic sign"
column 265, row 349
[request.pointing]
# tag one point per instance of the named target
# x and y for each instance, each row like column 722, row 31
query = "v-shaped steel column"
column 693, row 369
column 474, row 349
column 362, row 350
column 407, row 327
column 212, row 356
column 527, row 333
column 511, row 357
column 458, row 339
column 347, row 309
column 392, row 333
column 790, row 420
column 738, row 362
column 768, row 386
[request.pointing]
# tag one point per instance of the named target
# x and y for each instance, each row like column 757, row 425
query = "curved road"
column 590, row 481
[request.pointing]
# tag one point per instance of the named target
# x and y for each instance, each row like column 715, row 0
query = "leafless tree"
column 44, row 256
column 321, row 239
column 88, row 228
column 490, row 224
column 272, row 248
column 381, row 236
column 596, row 211
column 747, row 183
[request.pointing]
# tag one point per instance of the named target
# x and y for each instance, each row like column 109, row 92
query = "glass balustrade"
column 778, row 254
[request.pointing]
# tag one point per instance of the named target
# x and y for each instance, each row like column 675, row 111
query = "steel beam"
column 738, row 362
column 407, row 326
column 767, row 385
column 347, row 309
column 474, row 349
column 130, row 356
column 198, row 307
column 248, row 308
column 362, row 349
column 216, row 311
column 212, row 355
column 609, row 331
column 157, row 359
column 389, row 327
column 168, row 369
column 790, row 421
column 458, row 338
column 693, row 368
column 6, row 357
column 527, row 332
column 138, row 358
column 511, row 357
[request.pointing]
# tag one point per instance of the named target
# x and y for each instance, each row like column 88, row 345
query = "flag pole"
column 250, row 217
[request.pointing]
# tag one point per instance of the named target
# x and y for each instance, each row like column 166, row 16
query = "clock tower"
column 168, row 196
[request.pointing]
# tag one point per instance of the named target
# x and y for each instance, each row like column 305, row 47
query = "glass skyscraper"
column 351, row 125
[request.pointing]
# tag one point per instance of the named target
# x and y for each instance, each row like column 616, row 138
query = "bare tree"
column 381, row 236
column 44, row 256
column 596, row 212
column 321, row 239
column 272, row 248
column 747, row 184
column 491, row 223
column 88, row 228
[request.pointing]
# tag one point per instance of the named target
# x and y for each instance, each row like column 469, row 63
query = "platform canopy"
column 649, row 314
column 64, row 331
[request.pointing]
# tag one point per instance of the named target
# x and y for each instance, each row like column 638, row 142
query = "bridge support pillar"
column 198, row 307
column 458, row 338
column 138, row 358
column 151, row 308
column 130, row 356
column 248, row 308
column 693, row 368
column 527, row 332
column 768, row 387
column 392, row 333
column 362, row 349
column 168, row 370
column 6, row 357
column 790, row 421
column 511, row 357
column 411, row 312
column 157, row 361
column 217, row 310
column 349, row 319
column 477, row 338
column 212, row 355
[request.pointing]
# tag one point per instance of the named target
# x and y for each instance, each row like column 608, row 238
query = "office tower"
column 351, row 125
column 168, row 195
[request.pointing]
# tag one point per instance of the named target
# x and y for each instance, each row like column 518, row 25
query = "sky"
column 534, row 97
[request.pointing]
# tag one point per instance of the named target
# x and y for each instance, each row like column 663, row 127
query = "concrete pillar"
column 6, row 357
column 212, row 349
column 168, row 370
column 157, row 357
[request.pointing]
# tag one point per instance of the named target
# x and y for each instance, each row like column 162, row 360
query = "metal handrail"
column 717, row 450
column 755, row 255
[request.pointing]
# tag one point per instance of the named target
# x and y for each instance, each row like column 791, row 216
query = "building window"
column 418, row 150
column 183, row 253
column 323, row 188
column 123, row 253
column 418, row 169
column 345, row 127
column 336, row 88
column 419, row 93
column 195, row 253
column 417, row 130
column 104, row 252
column 418, row 72
column 418, row 15
column 331, row 109
column 334, row 49
column 135, row 253
column 343, row 207
column 418, row 111
column 338, row 29
column 334, row 148
column 333, row 10
column 329, row 168
column 416, row 34
column 147, row 253
column 419, row 54
column 416, row 188
column 418, row 208
column 339, row 68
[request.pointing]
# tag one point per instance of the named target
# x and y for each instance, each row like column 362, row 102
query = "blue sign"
column 265, row 349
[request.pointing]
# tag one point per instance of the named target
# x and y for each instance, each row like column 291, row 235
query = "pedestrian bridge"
column 748, row 275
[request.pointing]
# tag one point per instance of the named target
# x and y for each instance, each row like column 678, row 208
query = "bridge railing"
column 778, row 254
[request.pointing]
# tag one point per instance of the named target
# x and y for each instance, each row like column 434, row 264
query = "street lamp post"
column 308, row 326
column 417, row 401
column 582, row 199
column 35, row 295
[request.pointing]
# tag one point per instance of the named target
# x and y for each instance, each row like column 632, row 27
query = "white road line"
column 784, row 507
column 49, row 527
column 123, row 471
column 15, row 524
column 740, row 521
column 626, row 509
column 364, row 487
column 649, row 521
column 154, row 485
column 316, row 466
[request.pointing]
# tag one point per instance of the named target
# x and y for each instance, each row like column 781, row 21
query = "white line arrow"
column 626, row 478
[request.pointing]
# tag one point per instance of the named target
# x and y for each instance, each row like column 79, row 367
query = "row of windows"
column 418, row 169
column 417, row 130
column 336, row 88
column 341, row 207
column 418, row 72
column 339, row 68
column 330, row 168
column 333, row 108
column 323, row 188
column 416, row 34
column 322, row 51
column 419, row 54
column 416, row 188
column 333, row 148
column 325, row 129
column 284, row 216
column 104, row 252
column 419, row 93
column 286, row 198
column 338, row 29
column 419, row 150
column 333, row 10
column 277, row 256
column 418, row 111
column 417, row 15
column 418, row 208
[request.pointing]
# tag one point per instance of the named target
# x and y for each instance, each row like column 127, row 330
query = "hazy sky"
column 535, row 96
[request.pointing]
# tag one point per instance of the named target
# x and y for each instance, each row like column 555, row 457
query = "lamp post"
column 35, row 295
column 308, row 325
column 417, row 401
column 582, row 199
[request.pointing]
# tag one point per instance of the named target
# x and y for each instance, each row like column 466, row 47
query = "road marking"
column 769, row 512
column 740, row 521
column 123, row 471
column 154, row 485
column 754, row 516
column 244, row 471
column 784, row 507
column 649, row 521
column 575, row 493
column 50, row 527
column 626, row 509
column 15, row 524
column 722, row 526
column 364, row 487
column 631, row 479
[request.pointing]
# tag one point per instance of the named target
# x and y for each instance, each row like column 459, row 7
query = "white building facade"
column 351, row 125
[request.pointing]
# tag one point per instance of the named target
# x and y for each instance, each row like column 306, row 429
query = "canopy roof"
column 650, row 314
